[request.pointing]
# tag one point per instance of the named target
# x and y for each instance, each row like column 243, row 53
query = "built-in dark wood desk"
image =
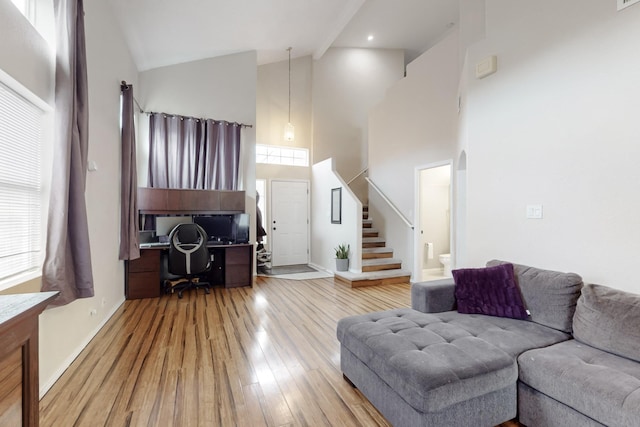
column 19, row 388
column 232, row 266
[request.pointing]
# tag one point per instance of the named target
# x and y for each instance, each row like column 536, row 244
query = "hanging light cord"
column 289, row 49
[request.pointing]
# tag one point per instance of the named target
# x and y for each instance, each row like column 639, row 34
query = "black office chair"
column 188, row 257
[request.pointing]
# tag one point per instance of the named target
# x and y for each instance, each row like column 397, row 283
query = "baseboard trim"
column 320, row 268
column 44, row 388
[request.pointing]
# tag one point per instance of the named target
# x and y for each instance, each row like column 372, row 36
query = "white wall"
column 347, row 83
column 272, row 114
column 330, row 99
column 66, row 330
column 558, row 126
column 273, row 102
column 414, row 125
column 325, row 235
column 222, row 88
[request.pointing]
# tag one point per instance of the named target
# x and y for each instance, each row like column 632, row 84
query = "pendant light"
column 289, row 131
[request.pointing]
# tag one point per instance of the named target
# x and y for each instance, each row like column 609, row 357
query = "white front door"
column 289, row 222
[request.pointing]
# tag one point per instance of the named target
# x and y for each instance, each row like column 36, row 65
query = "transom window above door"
column 276, row 155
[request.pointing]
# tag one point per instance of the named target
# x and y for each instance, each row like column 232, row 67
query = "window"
column 40, row 15
column 21, row 130
column 27, row 8
column 274, row 155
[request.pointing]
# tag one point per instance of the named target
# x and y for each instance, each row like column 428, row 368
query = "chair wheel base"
column 181, row 285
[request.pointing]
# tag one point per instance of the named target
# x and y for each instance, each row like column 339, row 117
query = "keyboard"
column 154, row 245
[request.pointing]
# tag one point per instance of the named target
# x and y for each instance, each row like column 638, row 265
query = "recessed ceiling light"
column 370, row 37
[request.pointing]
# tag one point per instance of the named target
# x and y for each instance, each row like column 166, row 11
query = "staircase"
column 378, row 265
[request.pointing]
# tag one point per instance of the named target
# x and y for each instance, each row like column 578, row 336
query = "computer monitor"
column 217, row 227
column 164, row 224
column 241, row 228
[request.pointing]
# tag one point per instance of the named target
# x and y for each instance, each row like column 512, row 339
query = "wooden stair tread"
column 373, row 278
column 380, row 261
column 377, row 253
column 376, row 250
column 370, row 242
column 381, row 264
column 378, row 265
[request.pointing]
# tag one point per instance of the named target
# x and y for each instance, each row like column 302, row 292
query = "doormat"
column 286, row 269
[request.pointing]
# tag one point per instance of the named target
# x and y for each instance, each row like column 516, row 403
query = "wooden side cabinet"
column 238, row 266
column 19, row 387
column 142, row 275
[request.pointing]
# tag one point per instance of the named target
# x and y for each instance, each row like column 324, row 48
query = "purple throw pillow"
column 492, row 291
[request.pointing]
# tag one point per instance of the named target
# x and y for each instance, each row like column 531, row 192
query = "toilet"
column 445, row 260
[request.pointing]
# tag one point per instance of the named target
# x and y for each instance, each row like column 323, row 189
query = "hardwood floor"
column 261, row 356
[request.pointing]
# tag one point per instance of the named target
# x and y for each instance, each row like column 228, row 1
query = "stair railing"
column 389, row 202
column 358, row 175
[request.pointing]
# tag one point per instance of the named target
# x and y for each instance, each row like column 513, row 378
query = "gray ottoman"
column 438, row 369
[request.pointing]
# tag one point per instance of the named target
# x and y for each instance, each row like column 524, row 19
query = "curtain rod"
column 125, row 86
column 148, row 113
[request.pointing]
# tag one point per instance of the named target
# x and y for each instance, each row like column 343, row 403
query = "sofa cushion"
column 609, row 319
column 601, row 385
column 436, row 360
column 492, row 291
column 550, row 296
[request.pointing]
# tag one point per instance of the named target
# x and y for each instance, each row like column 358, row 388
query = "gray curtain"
column 67, row 265
column 221, row 161
column 129, row 223
column 191, row 153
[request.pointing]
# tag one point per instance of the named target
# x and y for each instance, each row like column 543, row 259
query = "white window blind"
column 21, row 124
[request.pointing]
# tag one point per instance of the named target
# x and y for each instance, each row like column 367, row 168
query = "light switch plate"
column 486, row 67
column 534, row 211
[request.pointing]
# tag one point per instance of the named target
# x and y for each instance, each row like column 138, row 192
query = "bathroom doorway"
column 433, row 240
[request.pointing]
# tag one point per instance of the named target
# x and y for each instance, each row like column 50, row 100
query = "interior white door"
column 289, row 222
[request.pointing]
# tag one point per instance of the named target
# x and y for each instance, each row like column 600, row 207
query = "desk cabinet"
column 238, row 263
column 171, row 201
column 232, row 267
column 142, row 275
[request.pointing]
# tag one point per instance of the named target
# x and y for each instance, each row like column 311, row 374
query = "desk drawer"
column 238, row 266
column 237, row 275
column 149, row 261
column 238, row 256
column 143, row 285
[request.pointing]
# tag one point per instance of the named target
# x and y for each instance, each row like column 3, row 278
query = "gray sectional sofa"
column 433, row 366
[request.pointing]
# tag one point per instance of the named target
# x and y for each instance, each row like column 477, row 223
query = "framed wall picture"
column 336, row 205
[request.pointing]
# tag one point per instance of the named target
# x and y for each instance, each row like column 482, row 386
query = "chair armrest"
column 434, row 296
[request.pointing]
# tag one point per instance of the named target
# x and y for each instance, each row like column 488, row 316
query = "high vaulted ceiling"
column 166, row 32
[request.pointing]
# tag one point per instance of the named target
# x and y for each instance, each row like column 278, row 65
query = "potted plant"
column 342, row 257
